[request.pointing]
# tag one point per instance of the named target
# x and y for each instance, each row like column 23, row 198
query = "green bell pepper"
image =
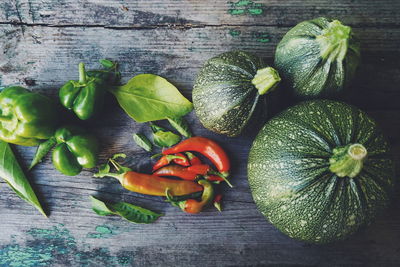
column 75, row 149
column 85, row 97
column 26, row 118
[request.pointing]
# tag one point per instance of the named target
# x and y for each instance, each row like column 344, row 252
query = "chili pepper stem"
column 223, row 176
column 217, row 205
column 118, row 176
column 82, row 73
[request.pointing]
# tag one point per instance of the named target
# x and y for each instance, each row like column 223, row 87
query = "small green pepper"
column 26, row 118
column 75, row 149
column 85, row 97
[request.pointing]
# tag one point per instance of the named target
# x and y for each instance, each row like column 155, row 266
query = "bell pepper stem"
column 82, row 73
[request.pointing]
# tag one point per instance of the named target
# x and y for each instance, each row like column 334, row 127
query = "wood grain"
column 191, row 13
column 42, row 43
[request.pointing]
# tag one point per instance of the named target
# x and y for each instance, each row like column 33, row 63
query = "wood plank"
column 45, row 57
column 239, row 234
column 143, row 13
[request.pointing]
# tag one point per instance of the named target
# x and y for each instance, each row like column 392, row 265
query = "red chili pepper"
column 194, row 160
column 217, row 202
column 201, row 169
column 181, row 161
column 214, row 178
column 161, row 163
column 165, row 160
column 178, row 171
column 206, row 147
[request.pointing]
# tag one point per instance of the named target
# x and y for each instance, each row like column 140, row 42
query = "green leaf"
column 181, row 125
column 104, row 169
column 134, row 213
column 118, row 155
column 131, row 213
column 100, row 207
column 148, row 97
column 158, row 155
column 12, row 173
column 165, row 139
column 42, row 150
column 143, row 142
column 107, row 63
column 155, row 128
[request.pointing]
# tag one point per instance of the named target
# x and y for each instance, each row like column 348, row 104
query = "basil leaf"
column 148, row 97
column 158, row 155
column 165, row 139
column 104, row 169
column 100, row 207
column 107, row 63
column 131, row 213
column 155, row 128
column 143, row 142
column 181, row 125
column 134, row 213
column 12, row 173
column 42, row 150
column 118, row 155
column 194, row 195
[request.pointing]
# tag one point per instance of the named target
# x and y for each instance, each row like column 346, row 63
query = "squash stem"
column 266, row 80
column 6, row 118
column 334, row 41
column 348, row 161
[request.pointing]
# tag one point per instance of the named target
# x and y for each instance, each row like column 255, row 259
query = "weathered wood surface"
column 41, row 44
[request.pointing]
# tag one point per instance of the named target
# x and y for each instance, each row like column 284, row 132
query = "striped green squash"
column 228, row 89
column 320, row 170
column 318, row 58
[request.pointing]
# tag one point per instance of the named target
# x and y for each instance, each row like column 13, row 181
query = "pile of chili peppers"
column 196, row 187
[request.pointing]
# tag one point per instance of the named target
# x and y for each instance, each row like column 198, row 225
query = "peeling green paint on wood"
column 234, row 33
column 245, row 7
column 104, row 231
column 52, row 245
column 262, row 37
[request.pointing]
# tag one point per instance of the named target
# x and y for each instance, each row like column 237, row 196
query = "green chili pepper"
column 75, row 149
column 26, row 118
column 84, row 97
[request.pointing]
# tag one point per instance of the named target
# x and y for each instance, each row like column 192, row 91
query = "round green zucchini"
column 228, row 88
column 318, row 58
column 320, row 170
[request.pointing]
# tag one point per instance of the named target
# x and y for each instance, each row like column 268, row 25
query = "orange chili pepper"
column 156, row 186
column 147, row 183
column 194, row 206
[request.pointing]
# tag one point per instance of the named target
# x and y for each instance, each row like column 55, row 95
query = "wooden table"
column 43, row 41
